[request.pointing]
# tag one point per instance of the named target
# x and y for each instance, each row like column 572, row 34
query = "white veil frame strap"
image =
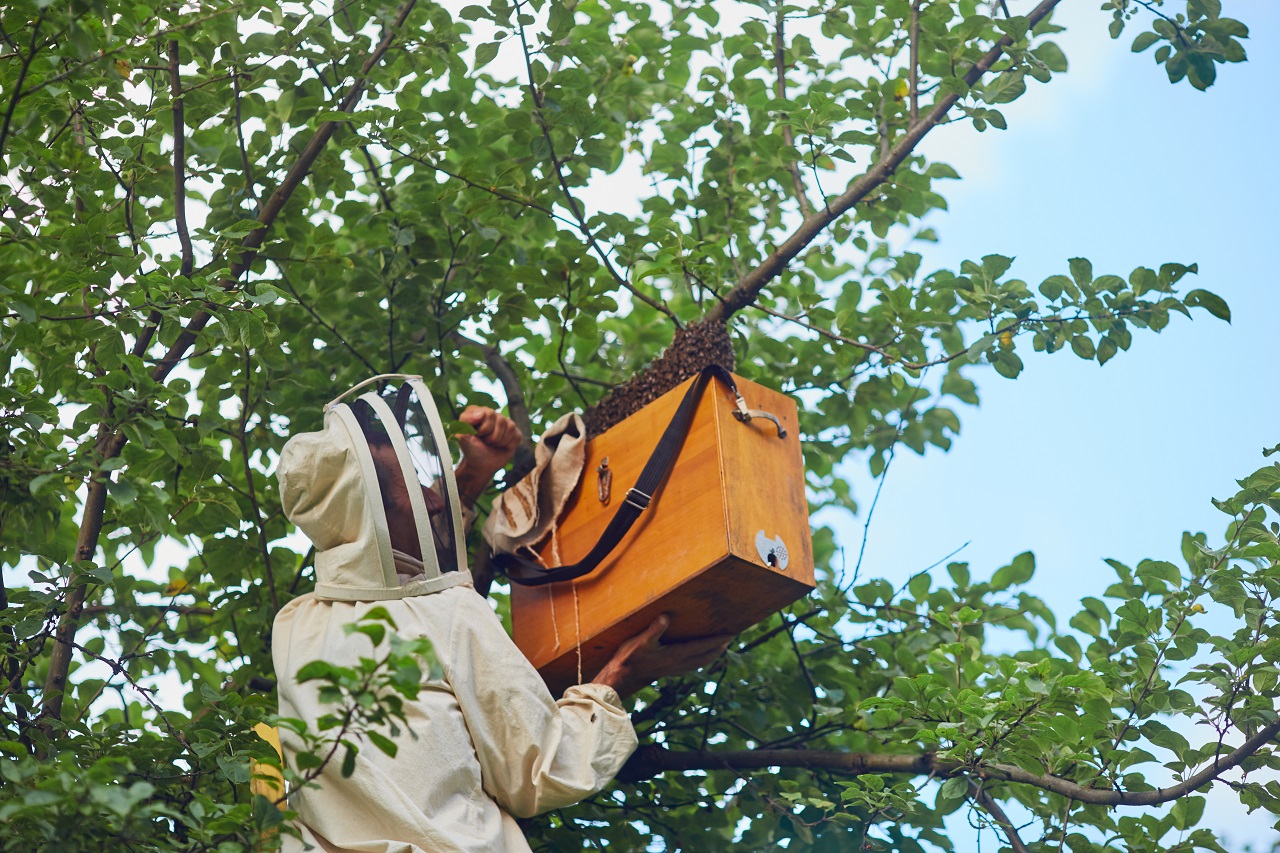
column 428, row 404
column 426, row 540
column 372, row 379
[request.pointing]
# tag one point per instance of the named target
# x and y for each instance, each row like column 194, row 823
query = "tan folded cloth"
column 524, row 514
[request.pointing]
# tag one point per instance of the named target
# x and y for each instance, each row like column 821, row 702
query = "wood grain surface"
column 693, row 553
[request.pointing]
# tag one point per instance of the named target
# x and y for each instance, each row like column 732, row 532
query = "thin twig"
column 17, row 86
column 306, row 306
column 890, row 358
column 652, row 760
column 575, row 207
column 893, row 447
column 258, row 521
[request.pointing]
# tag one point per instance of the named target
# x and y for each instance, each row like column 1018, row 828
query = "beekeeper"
column 376, row 492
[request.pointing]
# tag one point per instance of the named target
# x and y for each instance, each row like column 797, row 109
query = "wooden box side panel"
column 766, row 500
column 684, row 532
column 732, row 593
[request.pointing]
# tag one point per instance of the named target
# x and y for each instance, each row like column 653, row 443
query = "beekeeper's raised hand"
column 487, row 451
column 644, row 658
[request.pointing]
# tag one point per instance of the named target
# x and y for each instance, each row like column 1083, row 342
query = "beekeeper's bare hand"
column 644, row 658
column 487, row 451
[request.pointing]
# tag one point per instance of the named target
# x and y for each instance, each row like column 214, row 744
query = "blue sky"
column 1074, row 461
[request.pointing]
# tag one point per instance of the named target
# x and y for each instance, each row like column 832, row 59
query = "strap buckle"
column 638, row 499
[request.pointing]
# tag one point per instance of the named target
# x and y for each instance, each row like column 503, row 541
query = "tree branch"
column 890, row 358
column 17, row 86
column 516, row 403
column 987, row 802
column 179, row 162
column 244, row 148
column 652, row 760
column 270, row 211
column 913, row 81
column 788, row 135
column 744, row 292
column 110, row 442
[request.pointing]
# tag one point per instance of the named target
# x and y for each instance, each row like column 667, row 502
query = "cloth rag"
column 524, row 514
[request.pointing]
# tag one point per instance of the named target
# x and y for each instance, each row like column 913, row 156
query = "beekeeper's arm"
column 537, row 754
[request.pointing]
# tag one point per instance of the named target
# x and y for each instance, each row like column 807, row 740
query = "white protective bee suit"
column 491, row 743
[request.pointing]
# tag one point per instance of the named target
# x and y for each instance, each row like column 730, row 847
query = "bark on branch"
column 749, row 286
column 652, row 760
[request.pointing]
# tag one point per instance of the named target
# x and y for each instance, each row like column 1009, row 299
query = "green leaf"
column 1144, row 41
column 1086, row 623
column 994, row 266
column 1083, row 347
column 235, row 770
column 1051, row 55
column 1210, row 302
column 1187, row 812
column 1016, row 573
column 122, row 491
column 349, row 760
column 383, row 743
column 1007, row 364
column 486, row 53
column 317, row 669
column 1053, row 286
column 1081, row 271
column 240, row 228
column 1106, row 349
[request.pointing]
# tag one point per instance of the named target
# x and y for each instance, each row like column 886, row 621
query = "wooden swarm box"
column 701, row 552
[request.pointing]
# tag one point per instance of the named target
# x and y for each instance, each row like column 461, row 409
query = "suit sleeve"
column 535, row 753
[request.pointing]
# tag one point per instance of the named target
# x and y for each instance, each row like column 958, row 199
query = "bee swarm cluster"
column 693, row 348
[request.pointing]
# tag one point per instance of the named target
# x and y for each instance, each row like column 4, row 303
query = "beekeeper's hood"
column 338, row 485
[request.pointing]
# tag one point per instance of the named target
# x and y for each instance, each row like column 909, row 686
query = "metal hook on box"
column 604, row 481
column 746, row 415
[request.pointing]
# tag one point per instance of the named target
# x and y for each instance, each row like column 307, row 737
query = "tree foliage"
column 215, row 214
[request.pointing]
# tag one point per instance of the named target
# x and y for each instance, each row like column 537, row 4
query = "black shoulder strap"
column 527, row 572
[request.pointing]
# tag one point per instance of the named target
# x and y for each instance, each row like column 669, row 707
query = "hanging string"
column 555, row 623
column 551, row 595
column 577, row 629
